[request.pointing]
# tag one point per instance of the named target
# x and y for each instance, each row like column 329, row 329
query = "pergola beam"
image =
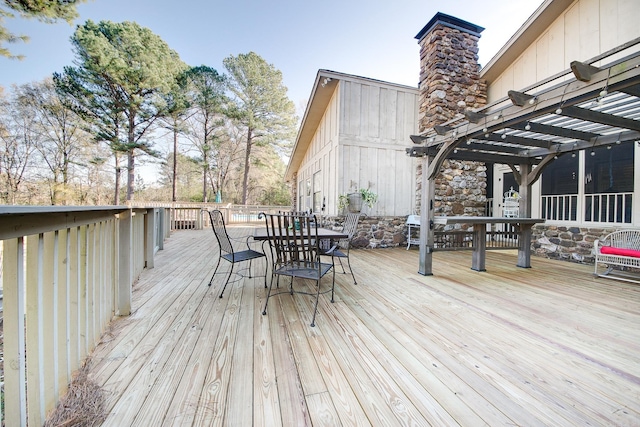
column 602, row 118
column 555, row 130
column 518, row 140
column 583, row 71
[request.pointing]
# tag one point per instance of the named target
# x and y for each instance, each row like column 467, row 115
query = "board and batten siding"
column 321, row 156
column 375, row 124
column 584, row 30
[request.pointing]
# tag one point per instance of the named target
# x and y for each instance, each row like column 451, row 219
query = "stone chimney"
column 450, row 84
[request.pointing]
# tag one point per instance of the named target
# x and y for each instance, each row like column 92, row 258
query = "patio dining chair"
column 229, row 253
column 295, row 250
column 343, row 246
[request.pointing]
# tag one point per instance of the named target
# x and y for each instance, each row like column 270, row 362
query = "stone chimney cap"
column 450, row 21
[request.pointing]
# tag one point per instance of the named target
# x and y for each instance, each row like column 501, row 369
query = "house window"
column 608, row 184
column 317, row 192
column 560, row 189
column 307, row 193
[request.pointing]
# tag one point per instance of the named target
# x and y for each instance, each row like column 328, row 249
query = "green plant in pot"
column 354, row 201
column 343, row 202
column 369, row 198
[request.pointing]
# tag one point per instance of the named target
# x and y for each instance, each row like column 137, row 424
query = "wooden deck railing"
column 66, row 272
column 192, row 216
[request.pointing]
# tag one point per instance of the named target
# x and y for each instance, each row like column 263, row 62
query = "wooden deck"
column 548, row 346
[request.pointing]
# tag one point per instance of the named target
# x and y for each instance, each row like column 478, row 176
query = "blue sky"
column 369, row 38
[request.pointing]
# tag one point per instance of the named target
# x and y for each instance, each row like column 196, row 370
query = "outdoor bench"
column 619, row 254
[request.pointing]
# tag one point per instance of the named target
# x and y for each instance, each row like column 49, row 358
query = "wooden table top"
column 323, row 233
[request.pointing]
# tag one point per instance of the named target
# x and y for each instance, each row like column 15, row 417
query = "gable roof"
column 533, row 27
column 325, row 85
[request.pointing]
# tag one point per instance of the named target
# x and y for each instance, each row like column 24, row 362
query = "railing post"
column 149, row 237
column 165, row 218
column 15, row 398
column 125, row 263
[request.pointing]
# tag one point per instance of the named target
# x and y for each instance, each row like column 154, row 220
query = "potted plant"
column 343, row 202
column 369, row 198
column 354, row 201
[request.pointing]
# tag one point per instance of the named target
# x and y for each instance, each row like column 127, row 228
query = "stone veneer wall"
column 374, row 231
column 461, row 189
column 573, row 244
column 567, row 243
column 294, row 189
column 450, row 84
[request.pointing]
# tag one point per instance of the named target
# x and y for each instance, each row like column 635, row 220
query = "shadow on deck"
column 550, row 345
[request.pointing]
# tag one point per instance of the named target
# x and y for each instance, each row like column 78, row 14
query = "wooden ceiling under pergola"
column 598, row 106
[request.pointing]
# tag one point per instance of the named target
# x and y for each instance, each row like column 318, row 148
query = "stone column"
column 294, row 192
column 450, row 84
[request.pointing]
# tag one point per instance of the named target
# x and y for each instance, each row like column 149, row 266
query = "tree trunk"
column 116, row 198
column 131, row 157
column 131, row 174
column 175, row 163
column 247, row 157
column 205, row 171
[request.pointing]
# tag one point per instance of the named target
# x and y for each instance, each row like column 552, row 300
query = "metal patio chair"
column 229, row 253
column 295, row 250
column 343, row 246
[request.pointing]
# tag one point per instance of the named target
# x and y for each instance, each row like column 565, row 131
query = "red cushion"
column 619, row 251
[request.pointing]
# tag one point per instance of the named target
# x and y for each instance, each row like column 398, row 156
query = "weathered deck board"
column 550, row 345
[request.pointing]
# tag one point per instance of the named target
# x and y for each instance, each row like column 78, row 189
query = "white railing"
column 608, row 207
column 561, row 207
column 65, row 273
column 612, row 208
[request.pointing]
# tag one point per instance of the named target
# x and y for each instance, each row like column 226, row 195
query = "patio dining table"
column 479, row 223
column 323, row 233
column 260, row 234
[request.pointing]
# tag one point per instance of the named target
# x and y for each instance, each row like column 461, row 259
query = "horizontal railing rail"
column 66, row 272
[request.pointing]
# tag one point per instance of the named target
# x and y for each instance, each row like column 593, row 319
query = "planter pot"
column 355, row 202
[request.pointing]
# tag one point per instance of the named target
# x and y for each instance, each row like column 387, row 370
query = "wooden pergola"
column 592, row 106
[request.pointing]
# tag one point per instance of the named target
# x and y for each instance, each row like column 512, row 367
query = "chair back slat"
column 219, row 229
column 293, row 238
column 351, row 224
